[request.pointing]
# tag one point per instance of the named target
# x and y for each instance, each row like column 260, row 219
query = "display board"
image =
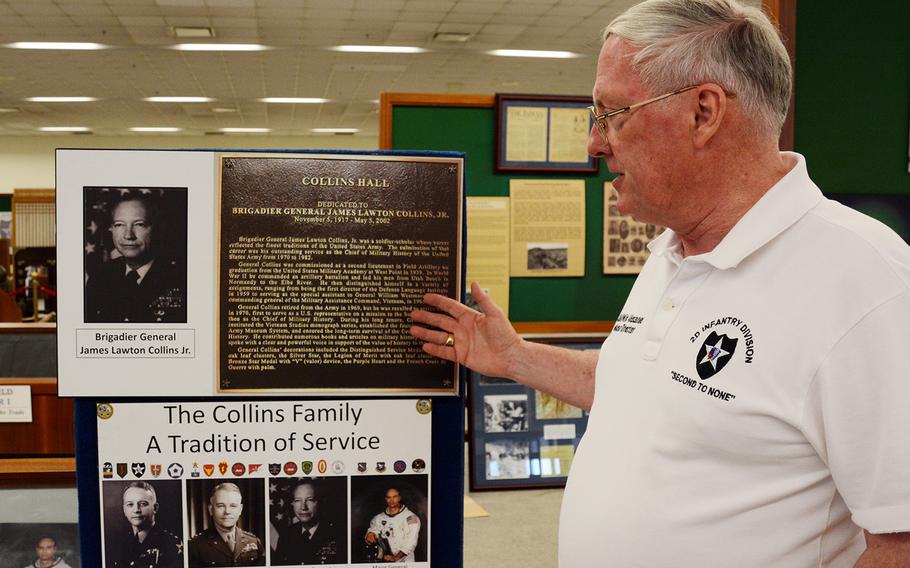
column 205, row 272
column 346, row 455
column 519, row 437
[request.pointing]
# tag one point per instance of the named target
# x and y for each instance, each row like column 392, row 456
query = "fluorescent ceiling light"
column 5, row 109
column 220, row 47
column 293, row 100
column 61, row 99
column 379, row 49
column 451, row 37
column 224, row 109
column 155, row 129
column 335, row 130
column 72, row 46
column 533, row 53
column 64, row 129
column 178, row 99
column 230, row 129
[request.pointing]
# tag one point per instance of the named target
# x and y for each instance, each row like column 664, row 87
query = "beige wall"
column 28, row 161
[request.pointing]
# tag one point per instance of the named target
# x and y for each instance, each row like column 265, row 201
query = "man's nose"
column 596, row 145
column 130, row 233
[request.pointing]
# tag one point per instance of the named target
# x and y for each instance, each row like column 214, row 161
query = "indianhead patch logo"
column 714, row 354
column 138, row 469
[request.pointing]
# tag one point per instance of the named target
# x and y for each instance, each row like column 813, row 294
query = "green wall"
column 853, row 94
column 852, row 117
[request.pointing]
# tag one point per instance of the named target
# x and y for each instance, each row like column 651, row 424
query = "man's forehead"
column 130, row 207
column 226, row 496
column 137, row 493
column 616, row 80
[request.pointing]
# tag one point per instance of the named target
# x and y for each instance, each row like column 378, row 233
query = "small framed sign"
column 543, row 133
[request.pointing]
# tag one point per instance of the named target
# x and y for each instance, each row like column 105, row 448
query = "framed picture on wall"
column 519, row 437
column 539, row 133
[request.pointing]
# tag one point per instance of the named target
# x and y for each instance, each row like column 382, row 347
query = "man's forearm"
column 567, row 374
column 891, row 550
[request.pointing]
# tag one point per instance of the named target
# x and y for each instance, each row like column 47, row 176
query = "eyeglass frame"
column 600, row 119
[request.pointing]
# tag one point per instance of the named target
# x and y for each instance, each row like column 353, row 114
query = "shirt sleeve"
column 857, row 415
column 412, row 533
column 375, row 526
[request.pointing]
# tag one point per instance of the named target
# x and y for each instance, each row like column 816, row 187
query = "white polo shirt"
column 752, row 404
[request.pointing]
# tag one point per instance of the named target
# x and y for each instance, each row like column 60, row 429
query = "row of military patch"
column 238, row 469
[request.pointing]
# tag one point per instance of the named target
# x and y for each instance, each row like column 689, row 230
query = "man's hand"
column 889, row 550
column 484, row 342
column 370, row 538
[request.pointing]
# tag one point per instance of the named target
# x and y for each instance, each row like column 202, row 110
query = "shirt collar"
column 778, row 209
column 141, row 271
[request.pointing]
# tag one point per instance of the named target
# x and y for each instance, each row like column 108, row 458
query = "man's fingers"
column 441, row 351
column 452, row 307
column 430, row 335
column 484, row 301
column 434, row 319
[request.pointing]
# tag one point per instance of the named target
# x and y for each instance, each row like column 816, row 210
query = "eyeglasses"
column 602, row 120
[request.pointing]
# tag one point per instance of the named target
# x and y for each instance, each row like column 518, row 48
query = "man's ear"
column 709, row 114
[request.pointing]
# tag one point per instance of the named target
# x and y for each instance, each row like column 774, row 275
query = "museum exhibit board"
column 272, row 265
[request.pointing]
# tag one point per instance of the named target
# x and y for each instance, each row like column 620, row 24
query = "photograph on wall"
column 548, row 256
column 135, row 254
column 519, row 437
column 143, row 519
column 625, row 239
column 264, row 483
column 226, row 521
column 322, row 260
column 39, row 545
column 389, row 519
column 548, row 407
column 308, row 519
column 508, row 459
column 506, row 413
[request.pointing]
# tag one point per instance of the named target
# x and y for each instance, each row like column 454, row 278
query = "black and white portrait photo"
column 135, row 254
column 226, row 519
column 143, row 524
column 39, row 545
column 389, row 518
column 309, row 517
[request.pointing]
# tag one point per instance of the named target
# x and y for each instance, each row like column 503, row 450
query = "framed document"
column 197, row 273
column 519, row 437
column 543, row 133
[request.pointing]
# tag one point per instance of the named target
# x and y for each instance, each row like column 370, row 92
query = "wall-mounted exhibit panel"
column 193, row 273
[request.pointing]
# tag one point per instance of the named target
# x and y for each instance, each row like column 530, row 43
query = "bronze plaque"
column 321, row 260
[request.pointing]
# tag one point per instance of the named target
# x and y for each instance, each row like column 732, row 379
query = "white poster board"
column 281, row 465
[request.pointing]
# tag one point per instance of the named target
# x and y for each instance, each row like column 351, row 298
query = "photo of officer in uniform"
column 142, row 525
column 46, row 555
column 309, row 516
column 134, row 253
column 220, row 536
column 389, row 518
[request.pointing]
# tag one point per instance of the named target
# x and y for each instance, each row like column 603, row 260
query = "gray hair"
column 688, row 42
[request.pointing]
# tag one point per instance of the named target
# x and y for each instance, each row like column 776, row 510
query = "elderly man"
column 309, row 538
column 146, row 545
column 751, row 411
column 140, row 285
column 46, row 552
column 225, row 543
column 394, row 531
